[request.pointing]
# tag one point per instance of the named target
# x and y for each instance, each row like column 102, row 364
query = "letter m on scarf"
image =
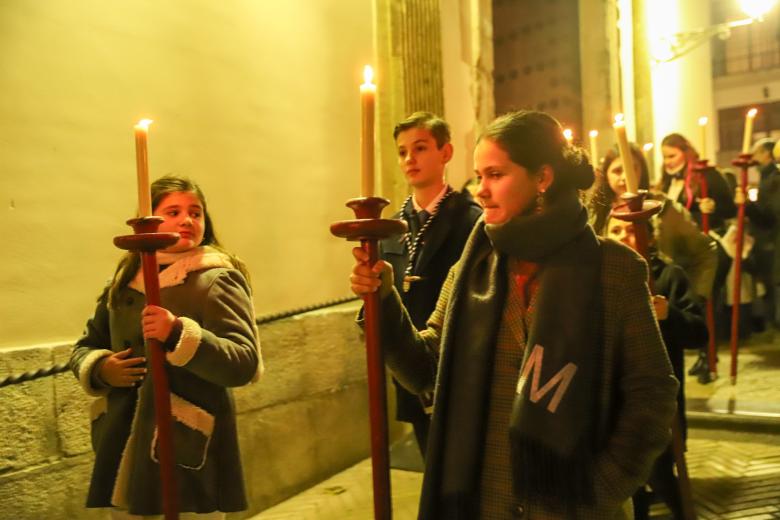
column 561, row 379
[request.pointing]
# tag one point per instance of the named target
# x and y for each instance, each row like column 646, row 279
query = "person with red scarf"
column 680, row 183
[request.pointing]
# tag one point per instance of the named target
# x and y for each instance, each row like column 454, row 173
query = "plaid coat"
column 637, row 394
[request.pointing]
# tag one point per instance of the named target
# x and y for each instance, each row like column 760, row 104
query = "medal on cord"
column 414, row 246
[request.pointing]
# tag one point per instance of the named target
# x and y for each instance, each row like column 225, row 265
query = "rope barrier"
column 262, row 320
column 37, row 374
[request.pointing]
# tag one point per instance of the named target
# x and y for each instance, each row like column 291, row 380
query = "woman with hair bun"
column 553, row 391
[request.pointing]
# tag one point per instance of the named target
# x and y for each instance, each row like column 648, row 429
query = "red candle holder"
column 369, row 228
column 699, row 168
column 638, row 209
column 147, row 241
column 743, row 162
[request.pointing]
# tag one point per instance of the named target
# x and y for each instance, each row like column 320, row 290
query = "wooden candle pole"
column 369, row 228
column 638, row 210
column 700, row 168
column 146, row 241
column 742, row 162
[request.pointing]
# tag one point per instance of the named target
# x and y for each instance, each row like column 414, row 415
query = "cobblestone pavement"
column 757, row 389
column 733, row 476
column 733, row 453
column 347, row 496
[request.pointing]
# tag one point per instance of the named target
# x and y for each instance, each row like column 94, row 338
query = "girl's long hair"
column 130, row 263
column 602, row 196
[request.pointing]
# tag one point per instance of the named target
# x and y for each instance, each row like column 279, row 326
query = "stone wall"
column 306, row 419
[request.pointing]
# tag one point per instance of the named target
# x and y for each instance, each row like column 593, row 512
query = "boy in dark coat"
column 440, row 220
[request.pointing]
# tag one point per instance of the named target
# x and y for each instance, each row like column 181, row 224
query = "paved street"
column 733, row 453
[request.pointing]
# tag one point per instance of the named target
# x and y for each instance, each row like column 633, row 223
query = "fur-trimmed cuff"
column 85, row 372
column 260, row 364
column 188, row 343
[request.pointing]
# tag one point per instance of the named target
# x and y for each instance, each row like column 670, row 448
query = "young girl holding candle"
column 206, row 324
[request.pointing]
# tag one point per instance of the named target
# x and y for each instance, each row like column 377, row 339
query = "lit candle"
column 632, row 184
column 367, row 100
column 747, row 138
column 594, row 146
column 703, row 125
column 142, row 168
column 568, row 135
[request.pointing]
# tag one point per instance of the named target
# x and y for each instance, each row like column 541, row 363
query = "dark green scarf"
column 551, row 452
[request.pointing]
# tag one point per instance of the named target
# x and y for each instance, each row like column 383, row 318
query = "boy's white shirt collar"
column 430, row 207
column 181, row 264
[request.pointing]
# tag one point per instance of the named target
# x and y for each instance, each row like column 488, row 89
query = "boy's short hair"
column 437, row 126
column 766, row 144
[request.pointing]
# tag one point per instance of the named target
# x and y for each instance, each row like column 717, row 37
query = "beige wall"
column 467, row 64
column 254, row 99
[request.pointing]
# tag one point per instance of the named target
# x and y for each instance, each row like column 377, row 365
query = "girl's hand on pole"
column 661, row 306
column 157, row 322
column 739, row 196
column 120, row 370
column 707, row 205
column 366, row 279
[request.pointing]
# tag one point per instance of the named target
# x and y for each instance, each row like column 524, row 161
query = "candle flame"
column 568, row 134
column 620, row 118
column 368, row 74
column 647, row 147
column 144, row 123
column 703, row 120
column 593, row 133
column 752, row 112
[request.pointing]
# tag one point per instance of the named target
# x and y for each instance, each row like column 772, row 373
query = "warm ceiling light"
column 756, row 8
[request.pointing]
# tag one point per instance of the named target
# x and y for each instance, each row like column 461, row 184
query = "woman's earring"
column 539, row 200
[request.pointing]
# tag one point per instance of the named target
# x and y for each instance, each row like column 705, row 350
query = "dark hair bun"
column 533, row 139
column 581, row 174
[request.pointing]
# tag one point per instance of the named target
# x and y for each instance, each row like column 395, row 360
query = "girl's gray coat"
column 218, row 349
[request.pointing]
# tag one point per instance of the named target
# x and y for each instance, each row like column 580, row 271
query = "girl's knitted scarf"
column 178, row 265
column 551, row 426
